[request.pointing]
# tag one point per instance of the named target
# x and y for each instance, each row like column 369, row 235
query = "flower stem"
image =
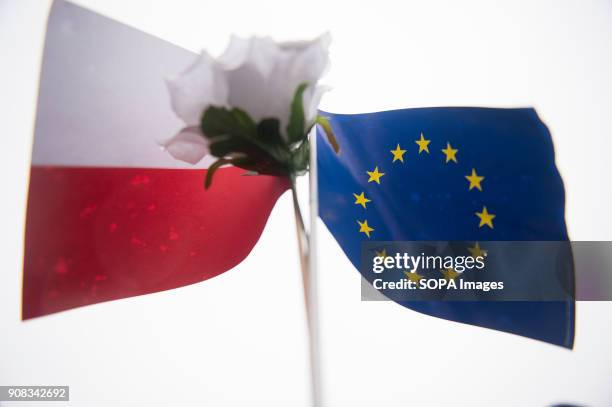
column 301, row 229
column 304, row 253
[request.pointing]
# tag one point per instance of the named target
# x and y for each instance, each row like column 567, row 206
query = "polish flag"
column 110, row 214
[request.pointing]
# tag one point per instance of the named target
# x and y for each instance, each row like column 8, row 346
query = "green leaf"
column 237, row 161
column 222, row 146
column 212, row 169
column 324, row 123
column 295, row 128
column 244, row 120
column 269, row 131
column 235, row 139
column 300, row 160
column 233, row 131
column 219, row 121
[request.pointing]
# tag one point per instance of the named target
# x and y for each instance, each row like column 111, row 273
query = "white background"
column 240, row 339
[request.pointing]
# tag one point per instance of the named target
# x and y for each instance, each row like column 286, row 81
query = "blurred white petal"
column 263, row 75
column 312, row 98
column 188, row 145
column 309, row 59
column 256, row 75
column 199, row 86
column 250, row 63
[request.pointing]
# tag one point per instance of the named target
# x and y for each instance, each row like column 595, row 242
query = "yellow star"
column 475, row 180
column 451, row 153
column 477, row 251
column 423, row 144
column 486, row 218
column 398, row 154
column 375, row 175
column 361, row 200
column 413, row 276
column 365, row 228
column 382, row 253
column 450, row 274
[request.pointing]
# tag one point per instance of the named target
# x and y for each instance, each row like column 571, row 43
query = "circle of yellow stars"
column 485, row 218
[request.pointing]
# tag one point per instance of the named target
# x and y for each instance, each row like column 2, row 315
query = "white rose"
column 256, row 75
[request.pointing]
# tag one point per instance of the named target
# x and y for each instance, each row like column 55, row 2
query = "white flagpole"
column 307, row 250
column 312, row 303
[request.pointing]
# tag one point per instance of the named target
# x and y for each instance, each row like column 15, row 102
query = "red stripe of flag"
column 100, row 234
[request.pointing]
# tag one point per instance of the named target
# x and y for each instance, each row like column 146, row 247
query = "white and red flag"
column 110, row 214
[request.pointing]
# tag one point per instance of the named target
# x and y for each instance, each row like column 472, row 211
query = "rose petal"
column 309, row 59
column 306, row 64
column 256, row 75
column 188, row 145
column 312, row 98
column 309, row 62
column 258, row 52
column 263, row 76
column 199, row 86
column 236, row 53
column 249, row 64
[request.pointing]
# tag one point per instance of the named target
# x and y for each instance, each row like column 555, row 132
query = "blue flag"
column 449, row 174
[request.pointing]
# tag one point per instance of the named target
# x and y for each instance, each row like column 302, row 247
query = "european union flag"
column 449, row 174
